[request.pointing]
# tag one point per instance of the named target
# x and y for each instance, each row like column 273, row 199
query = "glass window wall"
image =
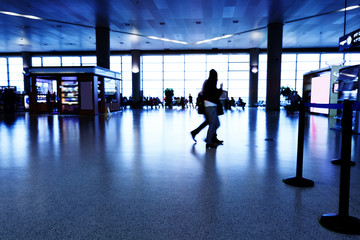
column 187, row 73
column 16, row 77
column 3, row 72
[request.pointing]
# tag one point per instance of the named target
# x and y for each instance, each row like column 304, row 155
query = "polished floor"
column 139, row 175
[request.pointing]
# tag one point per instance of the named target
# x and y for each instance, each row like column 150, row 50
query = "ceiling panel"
column 69, row 25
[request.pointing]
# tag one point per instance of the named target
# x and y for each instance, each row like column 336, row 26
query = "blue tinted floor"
column 139, row 175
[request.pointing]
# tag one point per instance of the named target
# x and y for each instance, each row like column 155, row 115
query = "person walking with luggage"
column 211, row 95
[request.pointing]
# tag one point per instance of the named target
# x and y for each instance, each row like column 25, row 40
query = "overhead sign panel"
column 350, row 41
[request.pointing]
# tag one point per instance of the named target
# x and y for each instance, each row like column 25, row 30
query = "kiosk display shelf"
column 348, row 89
column 69, row 92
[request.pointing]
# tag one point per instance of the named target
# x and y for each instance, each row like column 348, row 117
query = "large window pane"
column 152, row 67
column 16, row 73
column 201, row 58
column 195, row 75
column 3, row 72
column 238, row 75
column 288, row 57
column 239, row 58
column 126, row 76
column 217, row 58
column 262, row 74
column 195, row 67
column 174, row 59
column 352, row 59
column 239, row 66
column 174, row 76
column 51, row 61
column 36, row 61
column 219, row 67
column 88, row 61
column 71, row 61
column 174, row 67
column 308, row 57
column 153, row 76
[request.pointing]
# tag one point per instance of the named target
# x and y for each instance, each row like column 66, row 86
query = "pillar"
column 103, row 47
column 254, row 77
column 275, row 32
column 136, row 92
column 26, row 56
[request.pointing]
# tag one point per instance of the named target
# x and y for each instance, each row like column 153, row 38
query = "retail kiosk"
column 320, row 86
column 333, row 85
column 348, row 89
column 76, row 90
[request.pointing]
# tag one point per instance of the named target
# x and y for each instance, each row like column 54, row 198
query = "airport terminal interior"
column 96, row 119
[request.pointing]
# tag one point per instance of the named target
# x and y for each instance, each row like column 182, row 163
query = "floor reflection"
column 139, row 174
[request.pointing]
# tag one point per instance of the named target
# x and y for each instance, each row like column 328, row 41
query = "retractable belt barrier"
column 320, row 105
column 342, row 222
column 355, row 105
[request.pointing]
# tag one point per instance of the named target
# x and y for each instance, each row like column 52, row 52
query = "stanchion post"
column 342, row 222
column 299, row 181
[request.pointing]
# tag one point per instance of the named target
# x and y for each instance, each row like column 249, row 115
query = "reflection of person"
column 211, row 100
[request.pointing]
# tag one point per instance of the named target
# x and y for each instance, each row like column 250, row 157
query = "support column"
column 26, row 56
column 275, row 34
column 136, row 92
column 254, row 77
column 103, row 47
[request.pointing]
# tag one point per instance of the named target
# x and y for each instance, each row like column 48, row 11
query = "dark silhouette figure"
column 53, row 101
column 241, row 103
column 191, row 104
column 211, row 95
column 48, row 102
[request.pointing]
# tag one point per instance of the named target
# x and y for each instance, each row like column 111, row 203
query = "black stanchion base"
column 339, row 161
column 298, row 182
column 340, row 224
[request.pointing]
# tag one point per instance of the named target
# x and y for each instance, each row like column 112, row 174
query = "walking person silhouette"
column 211, row 95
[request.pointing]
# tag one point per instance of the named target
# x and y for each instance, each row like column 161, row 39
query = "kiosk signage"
column 349, row 41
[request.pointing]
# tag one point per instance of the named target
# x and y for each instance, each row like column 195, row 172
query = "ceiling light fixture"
column 166, row 40
column 349, row 8
column 215, row 39
column 20, row 15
